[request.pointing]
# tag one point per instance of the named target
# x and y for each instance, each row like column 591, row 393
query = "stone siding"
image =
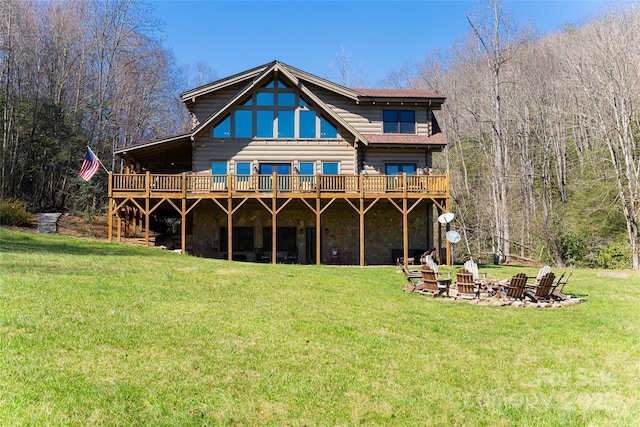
column 339, row 229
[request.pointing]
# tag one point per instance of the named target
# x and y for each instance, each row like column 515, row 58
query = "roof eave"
column 191, row 94
column 123, row 151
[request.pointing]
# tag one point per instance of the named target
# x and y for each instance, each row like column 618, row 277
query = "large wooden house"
column 284, row 166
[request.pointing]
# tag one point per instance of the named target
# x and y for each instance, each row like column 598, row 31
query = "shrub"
column 574, row 248
column 14, row 212
column 617, row 255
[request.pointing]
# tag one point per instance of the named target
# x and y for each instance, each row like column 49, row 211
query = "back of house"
column 284, row 166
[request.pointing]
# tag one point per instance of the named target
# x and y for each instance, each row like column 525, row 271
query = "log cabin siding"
column 209, row 104
column 274, row 151
column 367, row 118
column 378, row 157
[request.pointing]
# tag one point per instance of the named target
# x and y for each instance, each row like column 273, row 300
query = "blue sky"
column 232, row 36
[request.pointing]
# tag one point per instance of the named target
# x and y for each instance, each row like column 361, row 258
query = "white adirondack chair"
column 431, row 264
column 472, row 267
column 541, row 273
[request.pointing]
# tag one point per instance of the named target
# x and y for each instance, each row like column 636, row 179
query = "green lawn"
column 93, row 333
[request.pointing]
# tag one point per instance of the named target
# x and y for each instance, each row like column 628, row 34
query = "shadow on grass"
column 11, row 242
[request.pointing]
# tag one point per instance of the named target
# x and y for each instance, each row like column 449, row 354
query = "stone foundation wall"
column 339, row 229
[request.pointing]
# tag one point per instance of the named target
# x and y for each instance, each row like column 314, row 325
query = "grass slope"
column 104, row 334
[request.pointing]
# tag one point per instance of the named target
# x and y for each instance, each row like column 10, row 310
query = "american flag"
column 90, row 165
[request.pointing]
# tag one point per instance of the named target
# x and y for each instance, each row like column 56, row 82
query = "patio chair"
column 472, row 267
column 516, row 287
column 543, row 270
column 465, row 285
column 558, row 291
column 431, row 285
column 543, row 290
column 412, row 277
column 428, row 262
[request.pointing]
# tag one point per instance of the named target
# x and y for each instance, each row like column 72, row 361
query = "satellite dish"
column 445, row 218
column 452, row 236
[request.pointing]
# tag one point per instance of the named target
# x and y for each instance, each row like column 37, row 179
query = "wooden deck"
column 196, row 185
column 145, row 193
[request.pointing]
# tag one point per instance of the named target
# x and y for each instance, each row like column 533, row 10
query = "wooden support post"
column 147, row 220
column 405, row 232
column 110, row 213
column 183, row 212
column 229, row 227
column 318, row 230
column 274, row 226
column 119, row 227
column 362, row 232
column 183, row 227
column 405, row 221
column 110, row 217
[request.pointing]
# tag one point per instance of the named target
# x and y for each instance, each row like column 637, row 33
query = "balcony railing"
column 188, row 183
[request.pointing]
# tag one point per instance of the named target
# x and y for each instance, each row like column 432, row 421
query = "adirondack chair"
column 543, row 290
column 516, row 287
column 412, row 277
column 430, row 284
column 465, row 285
column 428, row 262
column 472, row 267
column 558, row 291
column 543, row 270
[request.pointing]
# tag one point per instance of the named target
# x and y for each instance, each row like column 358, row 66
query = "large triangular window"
column 275, row 111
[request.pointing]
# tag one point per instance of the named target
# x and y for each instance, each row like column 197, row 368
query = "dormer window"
column 399, row 121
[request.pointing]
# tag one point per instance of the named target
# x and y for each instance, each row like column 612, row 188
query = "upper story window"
column 399, row 121
column 275, row 111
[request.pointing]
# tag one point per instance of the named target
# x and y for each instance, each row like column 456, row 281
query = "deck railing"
column 206, row 183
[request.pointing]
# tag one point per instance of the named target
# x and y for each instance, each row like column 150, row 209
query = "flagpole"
column 98, row 158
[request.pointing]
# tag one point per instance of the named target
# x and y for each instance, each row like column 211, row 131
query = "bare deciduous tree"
column 343, row 71
column 603, row 67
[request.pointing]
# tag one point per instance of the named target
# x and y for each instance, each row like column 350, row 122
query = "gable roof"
column 190, row 96
column 359, row 94
column 261, row 75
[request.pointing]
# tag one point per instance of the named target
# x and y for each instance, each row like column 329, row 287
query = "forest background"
column 543, row 130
